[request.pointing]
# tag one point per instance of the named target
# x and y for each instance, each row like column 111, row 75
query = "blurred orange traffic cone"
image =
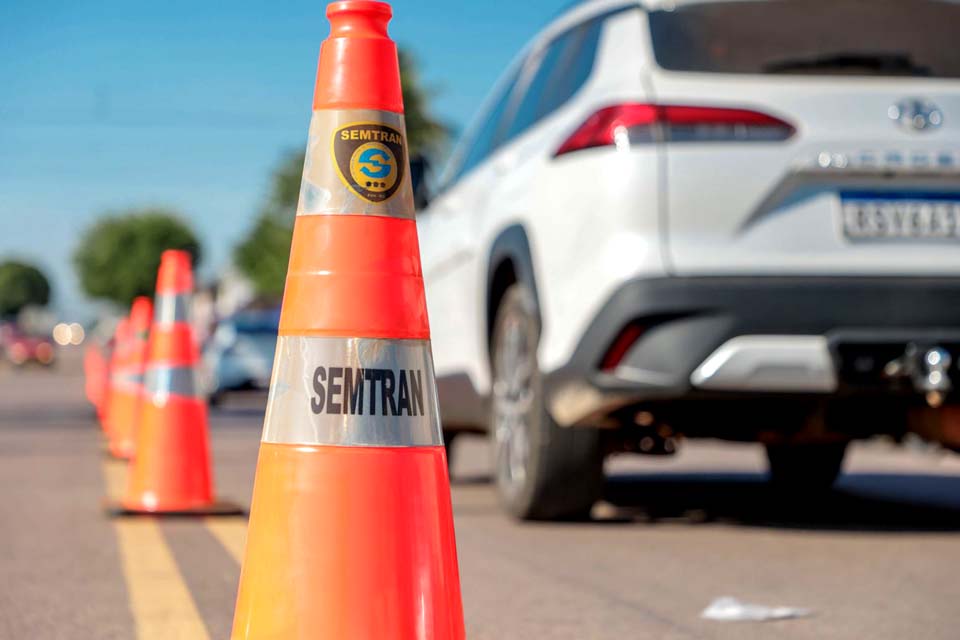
column 96, row 369
column 351, row 527
column 113, row 403
column 129, row 391
column 171, row 472
column 95, row 375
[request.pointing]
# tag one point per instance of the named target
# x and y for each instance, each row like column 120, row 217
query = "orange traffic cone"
column 113, row 401
column 171, row 472
column 95, row 375
column 351, row 527
column 129, row 392
column 104, row 391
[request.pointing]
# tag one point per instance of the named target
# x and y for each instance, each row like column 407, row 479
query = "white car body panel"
column 654, row 210
column 840, row 116
column 564, row 255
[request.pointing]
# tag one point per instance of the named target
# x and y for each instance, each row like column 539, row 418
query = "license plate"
column 900, row 216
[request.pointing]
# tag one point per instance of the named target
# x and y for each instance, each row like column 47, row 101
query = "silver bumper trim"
column 769, row 363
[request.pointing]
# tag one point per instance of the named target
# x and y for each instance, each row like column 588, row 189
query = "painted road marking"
column 160, row 602
column 232, row 534
column 209, row 571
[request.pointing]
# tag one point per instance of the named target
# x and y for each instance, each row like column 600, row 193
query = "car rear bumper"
column 721, row 337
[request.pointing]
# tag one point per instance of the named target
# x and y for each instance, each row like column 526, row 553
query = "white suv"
column 731, row 219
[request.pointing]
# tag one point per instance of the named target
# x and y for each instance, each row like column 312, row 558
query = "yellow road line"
column 160, row 601
column 232, row 534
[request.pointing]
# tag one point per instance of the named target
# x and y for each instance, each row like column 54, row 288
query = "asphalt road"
column 877, row 559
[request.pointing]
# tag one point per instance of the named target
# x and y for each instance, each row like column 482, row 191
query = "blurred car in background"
column 20, row 348
column 239, row 353
column 729, row 219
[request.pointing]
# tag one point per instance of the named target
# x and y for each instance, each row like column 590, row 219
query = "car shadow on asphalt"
column 237, row 412
column 470, row 479
column 249, row 403
column 859, row 502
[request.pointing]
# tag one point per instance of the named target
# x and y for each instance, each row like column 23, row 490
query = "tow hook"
column 928, row 370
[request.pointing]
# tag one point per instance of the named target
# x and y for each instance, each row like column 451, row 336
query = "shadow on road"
column 241, row 404
column 237, row 412
column 860, row 502
column 470, row 479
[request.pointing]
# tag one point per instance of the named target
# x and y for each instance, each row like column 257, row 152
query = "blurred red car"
column 19, row 348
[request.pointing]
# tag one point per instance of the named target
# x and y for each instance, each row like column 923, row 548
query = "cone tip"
column 175, row 273
column 359, row 18
column 358, row 63
column 178, row 255
column 141, row 313
column 139, row 304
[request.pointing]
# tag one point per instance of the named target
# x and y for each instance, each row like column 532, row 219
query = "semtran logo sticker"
column 369, row 158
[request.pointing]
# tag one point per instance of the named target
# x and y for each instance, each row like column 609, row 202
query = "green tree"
column 426, row 134
column 118, row 257
column 263, row 254
column 21, row 285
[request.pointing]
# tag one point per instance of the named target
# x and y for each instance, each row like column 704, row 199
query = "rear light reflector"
column 620, row 346
column 627, row 124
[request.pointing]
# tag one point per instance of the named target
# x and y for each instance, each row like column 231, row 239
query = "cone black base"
column 220, row 508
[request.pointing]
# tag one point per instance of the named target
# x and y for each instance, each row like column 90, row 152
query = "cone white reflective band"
column 353, row 392
column 171, row 308
column 171, row 381
column 127, row 379
column 356, row 163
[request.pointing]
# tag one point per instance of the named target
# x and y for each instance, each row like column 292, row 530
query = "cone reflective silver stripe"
column 171, row 381
column 353, row 392
column 325, row 188
column 171, row 308
column 127, row 379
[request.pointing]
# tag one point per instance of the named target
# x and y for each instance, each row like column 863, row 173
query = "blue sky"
column 111, row 104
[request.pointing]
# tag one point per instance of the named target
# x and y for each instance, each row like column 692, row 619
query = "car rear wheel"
column 215, row 399
column 542, row 471
column 448, row 438
column 805, row 466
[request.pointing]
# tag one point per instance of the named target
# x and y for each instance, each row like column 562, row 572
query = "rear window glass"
column 816, row 37
column 485, row 139
column 564, row 68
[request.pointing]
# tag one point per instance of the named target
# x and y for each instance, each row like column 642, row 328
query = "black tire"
column 542, row 471
column 807, row 467
column 448, row 438
column 216, row 399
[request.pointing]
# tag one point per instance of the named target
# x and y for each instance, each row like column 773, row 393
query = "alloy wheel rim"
column 513, row 394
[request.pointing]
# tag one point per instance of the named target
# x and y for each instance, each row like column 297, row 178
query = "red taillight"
column 603, row 127
column 626, row 339
column 712, row 124
column 627, row 124
column 44, row 352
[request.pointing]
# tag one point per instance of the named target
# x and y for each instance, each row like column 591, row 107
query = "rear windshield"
column 816, row 37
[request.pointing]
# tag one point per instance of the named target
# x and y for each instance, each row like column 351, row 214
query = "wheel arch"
column 510, row 262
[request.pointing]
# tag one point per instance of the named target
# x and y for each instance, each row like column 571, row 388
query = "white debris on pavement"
column 728, row 609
